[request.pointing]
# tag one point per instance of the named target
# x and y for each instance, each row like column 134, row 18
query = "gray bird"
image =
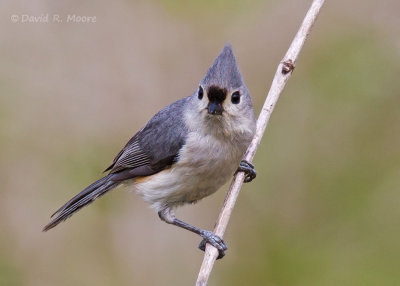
column 186, row 152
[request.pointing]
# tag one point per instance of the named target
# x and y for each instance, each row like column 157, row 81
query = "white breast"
column 205, row 164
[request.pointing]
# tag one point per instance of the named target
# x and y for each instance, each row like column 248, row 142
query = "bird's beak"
column 214, row 108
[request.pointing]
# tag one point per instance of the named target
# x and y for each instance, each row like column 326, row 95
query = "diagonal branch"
column 283, row 73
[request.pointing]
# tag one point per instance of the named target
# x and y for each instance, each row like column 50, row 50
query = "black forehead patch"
column 216, row 93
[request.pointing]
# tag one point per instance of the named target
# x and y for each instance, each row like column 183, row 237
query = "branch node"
column 287, row 66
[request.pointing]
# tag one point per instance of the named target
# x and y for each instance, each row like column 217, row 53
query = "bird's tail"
column 82, row 199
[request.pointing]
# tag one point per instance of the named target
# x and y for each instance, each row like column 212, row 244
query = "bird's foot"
column 248, row 169
column 214, row 240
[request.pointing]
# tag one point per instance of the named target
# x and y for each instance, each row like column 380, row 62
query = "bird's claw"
column 248, row 169
column 214, row 240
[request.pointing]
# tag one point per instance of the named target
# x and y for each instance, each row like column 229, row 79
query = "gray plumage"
column 151, row 150
column 187, row 151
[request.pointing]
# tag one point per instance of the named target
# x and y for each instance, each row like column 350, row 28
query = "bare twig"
column 283, row 73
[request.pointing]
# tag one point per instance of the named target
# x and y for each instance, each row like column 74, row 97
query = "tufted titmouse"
column 186, row 152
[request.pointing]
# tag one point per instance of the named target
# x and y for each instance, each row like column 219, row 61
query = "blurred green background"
column 324, row 209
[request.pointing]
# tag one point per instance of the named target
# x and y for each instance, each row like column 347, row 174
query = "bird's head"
column 222, row 99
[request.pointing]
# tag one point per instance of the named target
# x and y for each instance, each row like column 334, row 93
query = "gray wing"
column 131, row 156
column 151, row 150
column 155, row 147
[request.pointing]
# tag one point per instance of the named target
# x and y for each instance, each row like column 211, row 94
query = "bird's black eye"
column 235, row 97
column 200, row 93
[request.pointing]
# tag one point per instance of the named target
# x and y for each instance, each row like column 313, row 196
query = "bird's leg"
column 168, row 216
column 248, row 169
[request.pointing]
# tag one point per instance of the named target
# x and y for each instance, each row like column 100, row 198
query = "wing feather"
column 157, row 145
